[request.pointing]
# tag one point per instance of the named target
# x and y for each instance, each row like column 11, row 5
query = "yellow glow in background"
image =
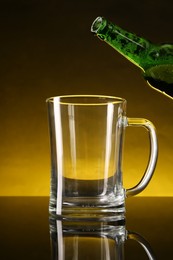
column 46, row 50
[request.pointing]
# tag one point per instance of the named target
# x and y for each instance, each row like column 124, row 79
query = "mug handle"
column 143, row 242
column 141, row 122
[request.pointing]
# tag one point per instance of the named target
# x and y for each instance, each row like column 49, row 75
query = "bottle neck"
column 131, row 46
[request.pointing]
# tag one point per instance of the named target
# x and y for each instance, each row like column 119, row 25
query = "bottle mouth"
column 98, row 24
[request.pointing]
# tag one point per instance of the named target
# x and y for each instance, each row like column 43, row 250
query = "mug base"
column 113, row 214
column 102, row 208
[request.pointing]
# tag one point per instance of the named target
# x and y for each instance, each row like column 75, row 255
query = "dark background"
column 47, row 49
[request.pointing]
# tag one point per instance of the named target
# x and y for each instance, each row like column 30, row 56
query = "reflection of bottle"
column 155, row 60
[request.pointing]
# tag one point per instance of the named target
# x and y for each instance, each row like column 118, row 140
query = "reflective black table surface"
column 25, row 232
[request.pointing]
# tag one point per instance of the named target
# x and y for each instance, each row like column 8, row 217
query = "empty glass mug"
column 86, row 142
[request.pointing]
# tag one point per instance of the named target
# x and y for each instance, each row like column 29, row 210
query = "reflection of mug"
column 86, row 139
column 94, row 241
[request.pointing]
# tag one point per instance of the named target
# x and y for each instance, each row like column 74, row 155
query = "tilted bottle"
column 156, row 61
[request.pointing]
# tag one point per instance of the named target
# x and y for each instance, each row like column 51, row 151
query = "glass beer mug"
column 86, row 141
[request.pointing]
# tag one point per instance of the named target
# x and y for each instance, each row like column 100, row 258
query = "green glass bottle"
column 156, row 61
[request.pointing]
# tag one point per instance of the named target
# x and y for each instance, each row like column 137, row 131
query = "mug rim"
column 94, row 100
